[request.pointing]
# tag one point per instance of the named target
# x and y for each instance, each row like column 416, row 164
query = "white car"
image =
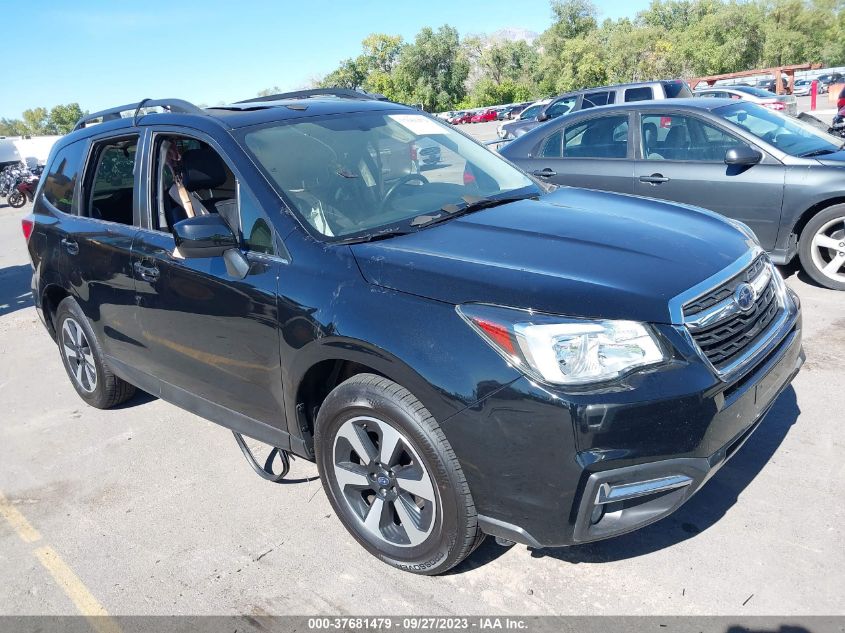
column 780, row 103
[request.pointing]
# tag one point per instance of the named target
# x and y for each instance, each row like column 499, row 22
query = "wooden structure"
column 777, row 71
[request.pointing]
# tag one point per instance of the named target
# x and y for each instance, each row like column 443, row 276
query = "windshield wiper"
column 372, row 237
column 449, row 211
column 820, row 152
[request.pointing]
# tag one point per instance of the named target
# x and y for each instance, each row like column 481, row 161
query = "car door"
column 592, row 152
column 681, row 157
column 97, row 242
column 212, row 332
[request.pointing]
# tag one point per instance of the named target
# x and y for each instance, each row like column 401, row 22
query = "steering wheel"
column 404, row 180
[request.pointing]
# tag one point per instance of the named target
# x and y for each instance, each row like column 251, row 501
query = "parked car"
column 529, row 113
column 594, row 97
column 514, row 111
column 771, row 86
column 831, row 79
column 787, row 104
column 804, row 87
column 425, row 153
column 460, row 118
column 483, row 116
column 783, row 178
column 462, row 353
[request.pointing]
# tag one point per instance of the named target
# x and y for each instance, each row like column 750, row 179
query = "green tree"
column 432, row 71
column 63, row 118
column 36, row 121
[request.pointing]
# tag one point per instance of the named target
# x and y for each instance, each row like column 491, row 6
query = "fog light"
column 598, row 513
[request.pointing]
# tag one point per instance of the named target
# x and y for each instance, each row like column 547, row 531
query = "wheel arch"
column 52, row 295
column 809, row 213
column 331, row 363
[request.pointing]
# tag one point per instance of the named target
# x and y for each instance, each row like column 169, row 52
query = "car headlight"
column 562, row 350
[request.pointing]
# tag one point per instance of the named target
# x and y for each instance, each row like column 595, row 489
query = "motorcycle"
column 24, row 191
column 837, row 128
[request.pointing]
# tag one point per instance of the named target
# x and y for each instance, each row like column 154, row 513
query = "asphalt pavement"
column 148, row 509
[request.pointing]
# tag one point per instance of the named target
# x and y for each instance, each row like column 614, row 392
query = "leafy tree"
column 63, row 118
column 36, row 121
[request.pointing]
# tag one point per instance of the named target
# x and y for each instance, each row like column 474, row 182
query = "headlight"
column 565, row 351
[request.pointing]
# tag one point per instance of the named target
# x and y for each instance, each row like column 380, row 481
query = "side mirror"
column 742, row 155
column 204, row 236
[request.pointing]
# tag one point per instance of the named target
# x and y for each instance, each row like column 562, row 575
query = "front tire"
column 16, row 200
column 84, row 362
column 822, row 247
column 392, row 477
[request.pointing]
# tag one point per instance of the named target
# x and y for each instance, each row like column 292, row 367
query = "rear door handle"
column 147, row 273
column 547, row 172
column 654, row 179
column 70, row 246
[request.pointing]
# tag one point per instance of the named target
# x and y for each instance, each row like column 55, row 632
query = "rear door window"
column 676, row 89
column 601, row 137
column 595, row 99
column 60, row 183
column 639, row 94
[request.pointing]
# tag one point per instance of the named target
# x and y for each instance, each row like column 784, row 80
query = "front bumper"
column 550, row 469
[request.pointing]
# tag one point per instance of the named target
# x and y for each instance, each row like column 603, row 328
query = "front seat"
column 676, row 146
column 204, row 169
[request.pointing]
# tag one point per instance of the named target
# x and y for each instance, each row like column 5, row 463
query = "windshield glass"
column 531, row 111
column 356, row 174
column 783, row 132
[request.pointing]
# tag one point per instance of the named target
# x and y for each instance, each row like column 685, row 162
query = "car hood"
column 833, row 160
column 574, row 252
column 520, row 126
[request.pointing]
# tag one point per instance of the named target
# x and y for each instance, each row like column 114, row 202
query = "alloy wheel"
column 384, row 482
column 828, row 249
column 78, row 354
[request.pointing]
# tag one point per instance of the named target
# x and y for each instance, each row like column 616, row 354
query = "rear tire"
column 405, row 499
column 84, row 362
column 822, row 247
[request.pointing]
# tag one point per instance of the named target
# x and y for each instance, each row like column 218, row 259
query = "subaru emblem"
column 744, row 296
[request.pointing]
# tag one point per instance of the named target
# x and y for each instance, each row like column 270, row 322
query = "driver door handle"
column 654, row 179
column 147, row 273
column 546, row 172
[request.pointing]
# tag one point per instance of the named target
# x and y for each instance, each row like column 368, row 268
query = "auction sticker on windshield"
column 417, row 123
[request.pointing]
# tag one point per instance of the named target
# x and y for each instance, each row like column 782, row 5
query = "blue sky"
column 103, row 53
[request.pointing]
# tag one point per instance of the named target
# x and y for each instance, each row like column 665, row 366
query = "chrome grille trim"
column 777, row 310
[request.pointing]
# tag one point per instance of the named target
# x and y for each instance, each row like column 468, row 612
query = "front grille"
column 728, row 339
column 722, row 292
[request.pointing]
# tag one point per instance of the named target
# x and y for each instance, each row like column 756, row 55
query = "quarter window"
column 552, row 145
column 675, row 137
column 602, row 137
column 60, row 183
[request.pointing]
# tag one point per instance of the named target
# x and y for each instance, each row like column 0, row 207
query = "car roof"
column 233, row 116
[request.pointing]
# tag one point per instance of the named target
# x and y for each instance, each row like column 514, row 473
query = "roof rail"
column 343, row 93
column 174, row 105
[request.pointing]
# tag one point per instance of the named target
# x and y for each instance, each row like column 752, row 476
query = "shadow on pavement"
column 15, row 291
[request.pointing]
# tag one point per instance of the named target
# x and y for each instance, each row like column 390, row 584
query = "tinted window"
column 602, row 137
column 676, row 89
column 673, row 137
column 594, row 99
column 113, row 181
column 60, row 183
column 561, row 107
column 551, row 146
column 639, row 94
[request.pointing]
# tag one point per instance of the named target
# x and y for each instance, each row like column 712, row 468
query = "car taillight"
column 27, row 224
column 469, row 177
column 840, row 103
column 775, row 105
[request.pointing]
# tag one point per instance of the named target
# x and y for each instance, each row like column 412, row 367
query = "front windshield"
column 786, row 133
column 531, row 111
column 356, row 174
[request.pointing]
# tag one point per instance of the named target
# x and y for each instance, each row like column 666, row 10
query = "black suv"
column 462, row 350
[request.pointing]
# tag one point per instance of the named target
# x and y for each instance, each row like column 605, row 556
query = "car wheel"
column 392, row 477
column 822, row 247
column 83, row 360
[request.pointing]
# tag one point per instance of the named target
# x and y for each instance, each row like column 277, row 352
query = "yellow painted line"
column 85, row 602
column 18, row 521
